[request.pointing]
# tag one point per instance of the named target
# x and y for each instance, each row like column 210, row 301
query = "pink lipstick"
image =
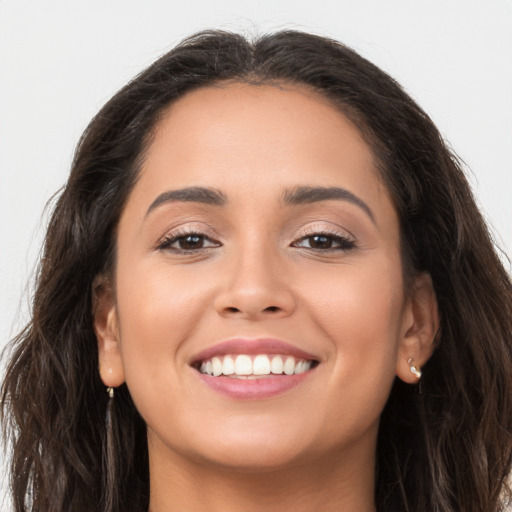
column 252, row 369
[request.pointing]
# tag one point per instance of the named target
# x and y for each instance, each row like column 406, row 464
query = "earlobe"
column 421, row 325
column 107, row 333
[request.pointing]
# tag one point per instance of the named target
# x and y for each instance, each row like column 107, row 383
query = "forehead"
column 226, row 114
column 256, row 140
column 265, row 126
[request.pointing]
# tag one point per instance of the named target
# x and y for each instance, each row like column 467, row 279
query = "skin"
column 258, row 275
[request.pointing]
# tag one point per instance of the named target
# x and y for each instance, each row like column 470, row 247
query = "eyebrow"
column 306, row 195
column 202, row 195
column 293, row 197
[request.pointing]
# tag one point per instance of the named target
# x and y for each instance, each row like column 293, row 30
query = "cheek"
column 355, row 300
column 159, row 308
column 360, row 310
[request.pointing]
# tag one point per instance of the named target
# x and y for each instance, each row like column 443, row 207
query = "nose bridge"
column 256, row 281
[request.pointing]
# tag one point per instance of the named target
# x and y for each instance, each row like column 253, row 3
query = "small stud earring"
column 110, row 392
column 414, row 369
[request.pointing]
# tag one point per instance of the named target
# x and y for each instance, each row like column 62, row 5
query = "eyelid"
column 325, row 229
column 173, row 235
column 346, row 240
column 189, row 226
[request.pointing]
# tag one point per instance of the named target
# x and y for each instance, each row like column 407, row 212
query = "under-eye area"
column 244, row 366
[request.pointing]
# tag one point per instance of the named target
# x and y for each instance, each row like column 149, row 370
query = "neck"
column 343, row 482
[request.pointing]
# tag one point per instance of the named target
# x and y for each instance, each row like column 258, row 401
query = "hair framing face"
column 448, row 448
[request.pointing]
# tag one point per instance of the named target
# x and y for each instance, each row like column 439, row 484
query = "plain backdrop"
column 61, row 60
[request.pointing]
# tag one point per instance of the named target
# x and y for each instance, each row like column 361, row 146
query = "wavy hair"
column 446, row 449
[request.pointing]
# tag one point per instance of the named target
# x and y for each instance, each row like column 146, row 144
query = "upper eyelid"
column 326, row 230
column 194, row 228
column 209, row 232
column 181, row 234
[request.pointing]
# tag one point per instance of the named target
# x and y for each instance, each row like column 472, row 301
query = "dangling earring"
column 109, row 459
column 414, row 369
column 109, row 428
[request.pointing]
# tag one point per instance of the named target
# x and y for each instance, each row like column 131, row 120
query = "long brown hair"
column 446, row 449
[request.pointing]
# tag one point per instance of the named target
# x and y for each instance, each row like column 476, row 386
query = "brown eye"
column 320, row 242
column 191, row 242
column 186, row 243
column 325, row 242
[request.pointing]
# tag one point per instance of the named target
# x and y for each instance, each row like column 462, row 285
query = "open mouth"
column 244, row 366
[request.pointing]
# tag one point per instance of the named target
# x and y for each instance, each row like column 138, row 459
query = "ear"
column 421, row 324
column 107, row 332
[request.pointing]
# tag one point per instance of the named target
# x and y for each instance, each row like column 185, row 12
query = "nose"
column 256, row 287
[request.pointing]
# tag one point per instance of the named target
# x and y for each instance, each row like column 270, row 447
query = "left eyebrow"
column 305, row 195
column 202, row 195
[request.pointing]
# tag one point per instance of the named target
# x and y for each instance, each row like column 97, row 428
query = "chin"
column 255, row 458
column 255, row 448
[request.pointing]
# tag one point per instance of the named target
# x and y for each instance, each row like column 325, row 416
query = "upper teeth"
column 245, row 365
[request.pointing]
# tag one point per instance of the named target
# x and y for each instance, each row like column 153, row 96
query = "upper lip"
column 252, row 346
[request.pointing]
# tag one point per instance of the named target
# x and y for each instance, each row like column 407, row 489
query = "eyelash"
column 344, row 242
column 166, row 243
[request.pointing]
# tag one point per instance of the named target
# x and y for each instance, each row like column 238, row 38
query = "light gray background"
column 61, row 60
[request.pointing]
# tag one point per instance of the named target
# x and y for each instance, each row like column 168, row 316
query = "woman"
column 269, row 259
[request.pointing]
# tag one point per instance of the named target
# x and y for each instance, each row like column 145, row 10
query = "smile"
column 244, row 366
column 253, row 369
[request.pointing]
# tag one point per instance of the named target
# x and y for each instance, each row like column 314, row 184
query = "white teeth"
column 289, row 366
column 216, row 366
column 276, row 365
column 228, row 366
column 261, row 365
column 245, row 366
column 300, row 367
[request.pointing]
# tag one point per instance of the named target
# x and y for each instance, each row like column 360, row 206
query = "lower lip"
column 253, row 389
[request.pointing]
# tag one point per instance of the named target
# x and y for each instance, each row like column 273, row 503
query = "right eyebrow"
column 305, row 195
column 202, row 195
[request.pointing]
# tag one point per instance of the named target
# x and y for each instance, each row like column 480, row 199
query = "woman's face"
column 258, row 239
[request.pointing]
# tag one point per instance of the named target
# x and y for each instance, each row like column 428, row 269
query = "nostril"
column 270, row 309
